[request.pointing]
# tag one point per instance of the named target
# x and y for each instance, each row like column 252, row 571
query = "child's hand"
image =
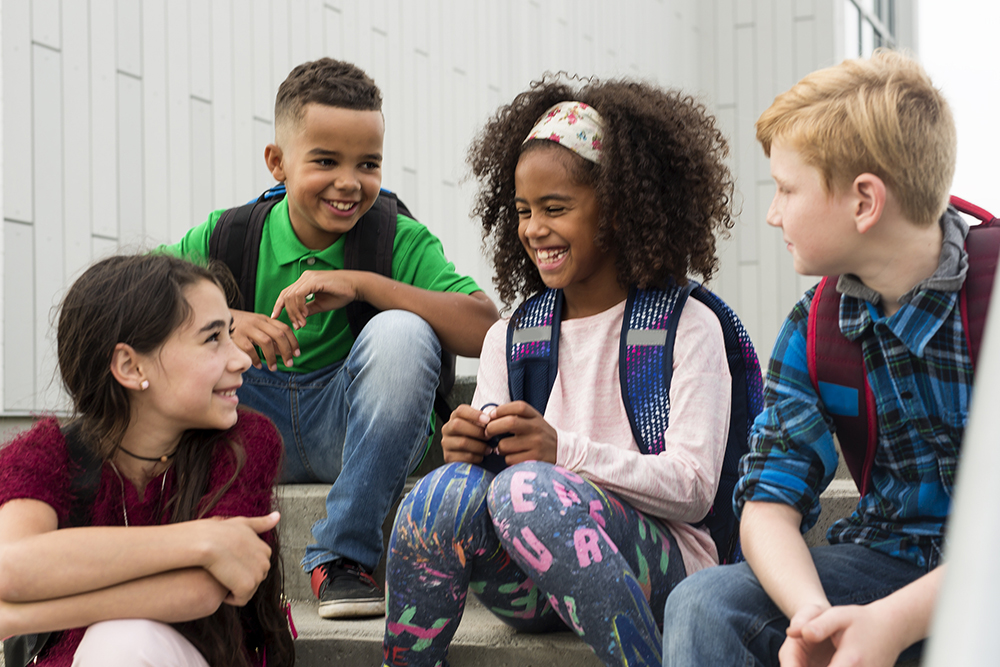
column 838, row 637
column 273, row 337
column 463, row 438
column 530, row 438
column 236, row 556
column 316, row 292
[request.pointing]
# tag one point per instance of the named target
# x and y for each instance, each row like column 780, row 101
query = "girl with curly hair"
column 142, row 532
column 586, row 193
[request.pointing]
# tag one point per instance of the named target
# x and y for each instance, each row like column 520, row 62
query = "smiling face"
column 194, row 375
column 557, row 224
column 331, row 163
column 817, row 225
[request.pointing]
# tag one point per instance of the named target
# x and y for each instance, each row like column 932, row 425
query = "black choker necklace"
column 158, row 459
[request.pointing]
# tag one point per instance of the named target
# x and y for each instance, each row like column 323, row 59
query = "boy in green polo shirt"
column 353, row 412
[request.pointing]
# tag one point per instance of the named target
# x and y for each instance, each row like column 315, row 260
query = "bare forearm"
column 911, row 608
column 66, row 562
column 171, row 597
column 459, row 320
column 779, row 557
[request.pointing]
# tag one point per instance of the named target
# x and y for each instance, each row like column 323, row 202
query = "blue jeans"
column 721, row 616
column 361, row 424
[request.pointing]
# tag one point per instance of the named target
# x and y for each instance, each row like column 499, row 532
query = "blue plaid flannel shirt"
column 921, row 375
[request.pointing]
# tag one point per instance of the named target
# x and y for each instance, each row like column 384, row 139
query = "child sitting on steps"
column 142, row 532
column 588, row 193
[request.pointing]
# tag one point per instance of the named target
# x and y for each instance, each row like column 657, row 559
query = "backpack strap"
column 533, row 348
column 645, row 360
column 368, row 247
column 838, row 374
column 235, row 241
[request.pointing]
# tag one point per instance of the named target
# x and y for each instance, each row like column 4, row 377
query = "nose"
column 346, row 180
column 773, row 218
column 534, row 226
column 239, row 361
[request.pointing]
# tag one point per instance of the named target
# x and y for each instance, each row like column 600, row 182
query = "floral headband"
column 575, row 125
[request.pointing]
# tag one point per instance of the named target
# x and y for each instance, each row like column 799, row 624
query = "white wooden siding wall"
column 126, row 121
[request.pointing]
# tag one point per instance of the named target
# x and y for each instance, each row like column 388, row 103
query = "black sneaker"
column 346, row 590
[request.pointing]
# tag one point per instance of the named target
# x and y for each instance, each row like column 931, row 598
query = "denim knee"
column 398, row 340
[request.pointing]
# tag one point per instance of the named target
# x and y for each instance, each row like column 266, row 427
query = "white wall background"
column 126, row 121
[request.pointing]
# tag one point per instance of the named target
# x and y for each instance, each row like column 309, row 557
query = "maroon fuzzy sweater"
column 36, row 465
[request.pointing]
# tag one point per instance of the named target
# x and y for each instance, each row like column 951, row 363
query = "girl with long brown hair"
column 168, row 556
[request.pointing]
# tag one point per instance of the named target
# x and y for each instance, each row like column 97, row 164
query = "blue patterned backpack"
column 645, row 366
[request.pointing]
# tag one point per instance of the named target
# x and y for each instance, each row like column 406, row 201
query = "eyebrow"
column 547, row 198
column 322, row 152
column 214, row 324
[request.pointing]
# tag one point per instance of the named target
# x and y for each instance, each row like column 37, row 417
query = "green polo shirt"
column 417, row 259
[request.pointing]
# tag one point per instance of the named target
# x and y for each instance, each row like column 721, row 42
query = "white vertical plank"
column 765, row 73
column 18, row 185
column 263, row 90
column 48, row 166
column 129, row 35
column 246, row 158
column 299, row 30
column 725, row 44
column 804, row 8
column 19, row 317
column 727, row 282
column 201, row 35
column 202, row 168
column 103, row 113
column 76, row 139
column 784, row 46
column 745, row 142
column 179, row 119
column 132, row 229
column 745, row 12
column 317, row 32
column 707, row 53
column 333, row 33
column 102, row 248
column 805, row 48
column 281, row 62
column 45, row 28
column 223, row 147
column 155, row 130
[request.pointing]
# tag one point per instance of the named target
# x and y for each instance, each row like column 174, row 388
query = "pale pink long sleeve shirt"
column 595, row 440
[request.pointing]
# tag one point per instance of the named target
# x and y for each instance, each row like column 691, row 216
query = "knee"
column 443, row 504
column 519, row 488
column 135, row 642
column 400, row 334
column 708, row 598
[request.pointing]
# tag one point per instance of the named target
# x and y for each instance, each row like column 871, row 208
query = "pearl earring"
column 144, row 385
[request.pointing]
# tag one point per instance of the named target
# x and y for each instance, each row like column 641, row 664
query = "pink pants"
column 136, row 643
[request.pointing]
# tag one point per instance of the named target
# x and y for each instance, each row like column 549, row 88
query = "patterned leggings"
column 541, row 547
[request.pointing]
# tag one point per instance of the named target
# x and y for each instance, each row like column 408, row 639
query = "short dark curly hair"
column 333, row 83
column 663, row 186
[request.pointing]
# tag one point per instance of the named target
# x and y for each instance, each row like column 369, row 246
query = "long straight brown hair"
column 140, row 300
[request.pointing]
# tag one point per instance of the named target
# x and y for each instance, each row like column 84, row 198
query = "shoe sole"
column 352, row 608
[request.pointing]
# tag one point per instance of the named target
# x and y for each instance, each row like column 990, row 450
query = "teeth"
column 342, row 206
column 549, row 254
column 231, row 392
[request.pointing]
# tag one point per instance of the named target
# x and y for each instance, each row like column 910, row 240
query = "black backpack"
column 367, row 247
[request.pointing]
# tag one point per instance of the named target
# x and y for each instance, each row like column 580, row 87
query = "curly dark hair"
column 663, row 186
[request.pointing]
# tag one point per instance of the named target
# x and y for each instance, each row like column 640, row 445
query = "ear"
column 273, row 159
column 868, row 196
column 126, row 368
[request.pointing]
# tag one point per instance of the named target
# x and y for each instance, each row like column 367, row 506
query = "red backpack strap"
column 983, row 246
column 837, row 372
